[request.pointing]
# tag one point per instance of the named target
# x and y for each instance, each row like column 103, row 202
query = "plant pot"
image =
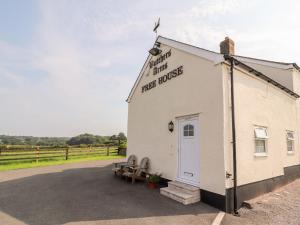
column 152, row 185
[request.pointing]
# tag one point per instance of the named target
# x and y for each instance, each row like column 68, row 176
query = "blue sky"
column 66, row 67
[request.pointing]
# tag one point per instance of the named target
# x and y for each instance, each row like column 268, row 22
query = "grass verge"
column 50, row 162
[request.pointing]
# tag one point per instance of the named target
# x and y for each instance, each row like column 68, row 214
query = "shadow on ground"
column 84, row 195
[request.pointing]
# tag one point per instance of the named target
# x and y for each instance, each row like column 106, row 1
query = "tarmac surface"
column 88, row 193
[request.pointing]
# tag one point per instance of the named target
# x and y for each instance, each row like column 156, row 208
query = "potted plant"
column 153, row 180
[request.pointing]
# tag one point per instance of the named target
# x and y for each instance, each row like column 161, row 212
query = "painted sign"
column 157, row 68
column 174, row 73
column 155, row 64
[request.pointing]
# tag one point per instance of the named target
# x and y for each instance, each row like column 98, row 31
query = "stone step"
column 179, row 196
column 186, row 188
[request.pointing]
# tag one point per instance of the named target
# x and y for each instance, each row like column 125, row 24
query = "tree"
column 113, row 137
column 122, row 137
column 116, row 139
column 87, row 139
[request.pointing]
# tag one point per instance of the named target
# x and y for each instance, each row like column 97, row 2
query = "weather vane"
column 155, row 49
column 156, row 25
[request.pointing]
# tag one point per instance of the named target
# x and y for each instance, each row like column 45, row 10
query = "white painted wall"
column 204, row 89
column 296, row 81
column 197, row 91
column 260, row 103
column 282, row 76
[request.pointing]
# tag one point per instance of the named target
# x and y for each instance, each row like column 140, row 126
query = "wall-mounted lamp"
column 155, row 50
column 171, row 126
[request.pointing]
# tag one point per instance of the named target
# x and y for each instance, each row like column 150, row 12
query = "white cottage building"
column 220, row 123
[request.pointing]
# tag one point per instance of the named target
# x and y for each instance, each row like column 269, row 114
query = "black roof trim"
column 296, row 66
column 260, row 75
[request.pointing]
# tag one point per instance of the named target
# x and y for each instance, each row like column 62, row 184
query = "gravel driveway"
column 279, row 207
column 88, row 193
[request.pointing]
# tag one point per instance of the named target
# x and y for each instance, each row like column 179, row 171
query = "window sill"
column 290, row 152
column 262, row 154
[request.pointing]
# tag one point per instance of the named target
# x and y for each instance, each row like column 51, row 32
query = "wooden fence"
column 10, row 155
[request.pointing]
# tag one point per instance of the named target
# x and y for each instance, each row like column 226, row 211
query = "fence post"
column 37, row 154
column 67, row 152
column 107, row 151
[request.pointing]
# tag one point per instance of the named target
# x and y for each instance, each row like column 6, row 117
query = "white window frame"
column 290, row 138
column 190, row 129
column 261, row 134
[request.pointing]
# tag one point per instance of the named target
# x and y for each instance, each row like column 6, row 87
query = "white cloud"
column 7, row 74
column 77, row 71
column 213, row 8
column 198, row 24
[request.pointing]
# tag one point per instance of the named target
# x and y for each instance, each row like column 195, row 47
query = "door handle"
column 188, row 173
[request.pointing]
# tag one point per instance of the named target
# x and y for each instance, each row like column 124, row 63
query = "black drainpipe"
column 235, row 209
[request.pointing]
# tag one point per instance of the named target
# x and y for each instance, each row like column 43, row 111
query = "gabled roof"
column 194, row 50
column 260, row 75
column 219, row 58
column 201, row 52
column 138, row 78
column 279, row 65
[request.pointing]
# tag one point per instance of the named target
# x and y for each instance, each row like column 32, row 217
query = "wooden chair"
column 138, row 172
column 119, row 167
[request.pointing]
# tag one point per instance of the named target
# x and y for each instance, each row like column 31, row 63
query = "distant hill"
column 30, row 140
column 82, row 139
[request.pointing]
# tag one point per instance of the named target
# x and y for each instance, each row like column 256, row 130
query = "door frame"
column 178, row 120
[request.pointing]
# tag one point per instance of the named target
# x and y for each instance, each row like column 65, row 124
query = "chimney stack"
column 227, row 46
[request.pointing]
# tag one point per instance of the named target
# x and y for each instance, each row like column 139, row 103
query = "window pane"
column 260, row 132
column 186, row 128
column 191, row 133
column 290, row 145
column 260, row 146
column 290, row 135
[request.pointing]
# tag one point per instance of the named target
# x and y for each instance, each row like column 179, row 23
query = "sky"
column 67, row 66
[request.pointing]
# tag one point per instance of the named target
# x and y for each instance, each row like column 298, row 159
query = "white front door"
column 189, row 151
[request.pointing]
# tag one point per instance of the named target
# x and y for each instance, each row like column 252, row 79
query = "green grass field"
column 11, row 159
column 50, row 162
